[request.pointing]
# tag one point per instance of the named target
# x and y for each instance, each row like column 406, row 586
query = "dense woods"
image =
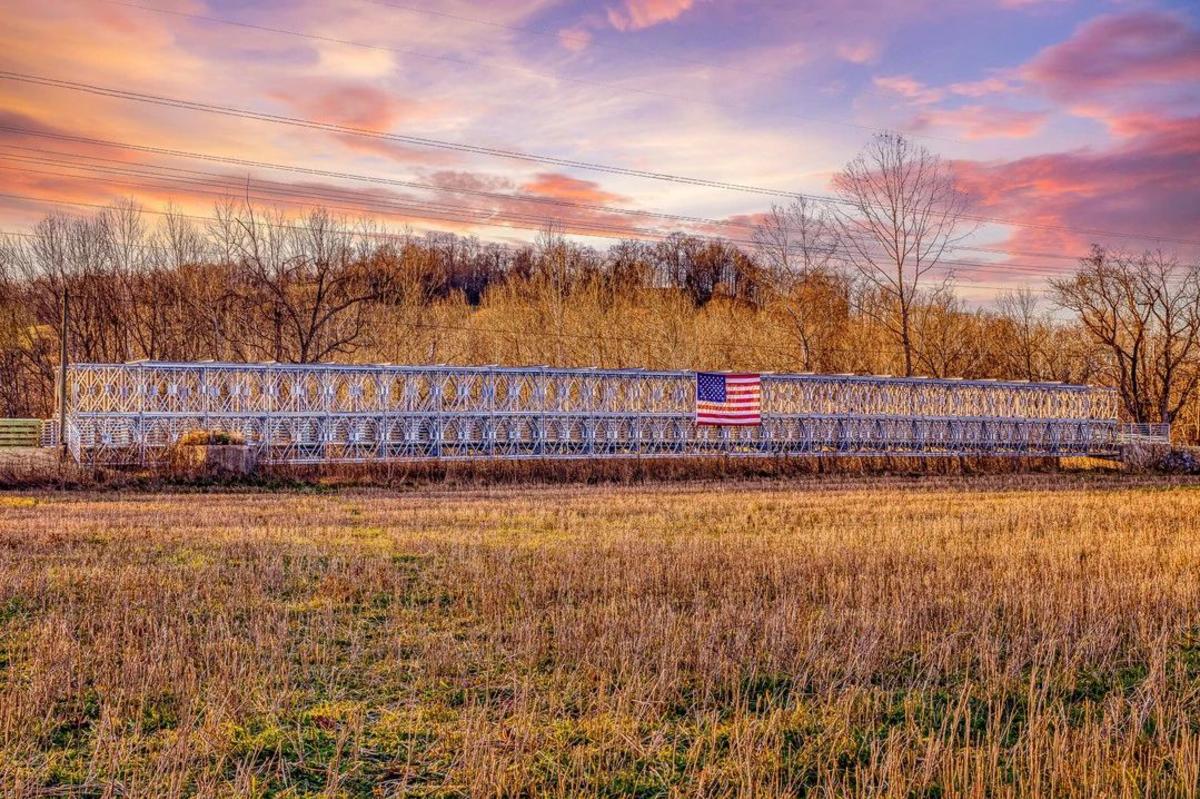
column 255, row 285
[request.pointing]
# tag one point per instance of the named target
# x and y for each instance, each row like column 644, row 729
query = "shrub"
column 195, row 438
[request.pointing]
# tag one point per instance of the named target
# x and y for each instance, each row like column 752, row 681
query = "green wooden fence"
column 20, row 432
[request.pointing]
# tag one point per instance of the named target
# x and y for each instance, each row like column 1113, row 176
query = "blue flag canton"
column 710, row 387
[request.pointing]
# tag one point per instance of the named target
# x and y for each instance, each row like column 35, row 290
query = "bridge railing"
column 1140, row 433
column 49, row 433
column 327, row 413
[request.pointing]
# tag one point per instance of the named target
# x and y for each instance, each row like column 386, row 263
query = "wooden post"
column 62, row 378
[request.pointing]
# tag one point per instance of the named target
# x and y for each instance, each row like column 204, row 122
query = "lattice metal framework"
column 131, row 413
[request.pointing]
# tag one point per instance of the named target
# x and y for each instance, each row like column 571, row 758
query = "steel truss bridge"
column 132, row 413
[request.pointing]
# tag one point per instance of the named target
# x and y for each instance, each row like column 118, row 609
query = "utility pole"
column 62, row 376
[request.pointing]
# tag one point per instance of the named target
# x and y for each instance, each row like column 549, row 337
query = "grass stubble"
column 884, row 638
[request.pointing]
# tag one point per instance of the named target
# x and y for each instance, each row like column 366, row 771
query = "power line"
column 591, row 41
column 223, row 110
column 124, row 167
column 367, row 178
column 504, row 67
column 460, row 213
column 191, row 105
column 583, row 38
column 392, row 237
column 466, row 215
column 457, row 213
column 554, row 201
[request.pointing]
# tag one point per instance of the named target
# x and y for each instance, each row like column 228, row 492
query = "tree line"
column 858, row 286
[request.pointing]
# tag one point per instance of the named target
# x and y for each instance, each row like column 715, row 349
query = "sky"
column 1068, row 123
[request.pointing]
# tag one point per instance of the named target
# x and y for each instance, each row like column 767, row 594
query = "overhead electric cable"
column 505, row 67
column 946, row 268
column 445, row 211
column 553, row 201
column 192, row 105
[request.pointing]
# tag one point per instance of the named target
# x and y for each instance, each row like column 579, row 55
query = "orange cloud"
column 563, row 187
column 981, row 122
column 639, row 14
column 353, row 104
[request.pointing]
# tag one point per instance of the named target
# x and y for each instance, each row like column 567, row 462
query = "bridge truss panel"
column 132, row 413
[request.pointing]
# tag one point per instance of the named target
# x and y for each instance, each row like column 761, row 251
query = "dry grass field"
column 1002, row 636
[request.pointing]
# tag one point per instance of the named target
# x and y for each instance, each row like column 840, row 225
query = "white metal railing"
column 49, row 435
column 1141, row 433
column 132, row 413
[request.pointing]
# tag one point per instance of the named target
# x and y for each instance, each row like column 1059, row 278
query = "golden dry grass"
column 1010, row 636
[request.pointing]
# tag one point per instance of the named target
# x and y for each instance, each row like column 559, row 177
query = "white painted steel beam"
column 131, row 413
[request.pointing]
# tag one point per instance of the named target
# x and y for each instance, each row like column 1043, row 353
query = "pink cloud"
column 1119, row 50
column 863, row 52
column 575, row 39
column 1149, row 183
column 366, row 107
column 563, row 187
column 639, row 14
column 976, row 122
column 345, row 103
column 908, row 87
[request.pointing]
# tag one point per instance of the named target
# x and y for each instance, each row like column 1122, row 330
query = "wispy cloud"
column 976, row 122
column 909, row 88
column 858, row 52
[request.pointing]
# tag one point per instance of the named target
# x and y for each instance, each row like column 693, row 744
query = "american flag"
column 728, row 399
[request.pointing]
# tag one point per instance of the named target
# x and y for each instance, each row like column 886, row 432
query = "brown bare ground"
column 1000, row 636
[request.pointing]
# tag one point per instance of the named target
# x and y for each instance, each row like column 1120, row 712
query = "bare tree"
column 947, row 339
column 310, row 283
column 796, row 241
column 797, row 244
column 901, row 212
column 1145, row 311
column 1030, row 333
